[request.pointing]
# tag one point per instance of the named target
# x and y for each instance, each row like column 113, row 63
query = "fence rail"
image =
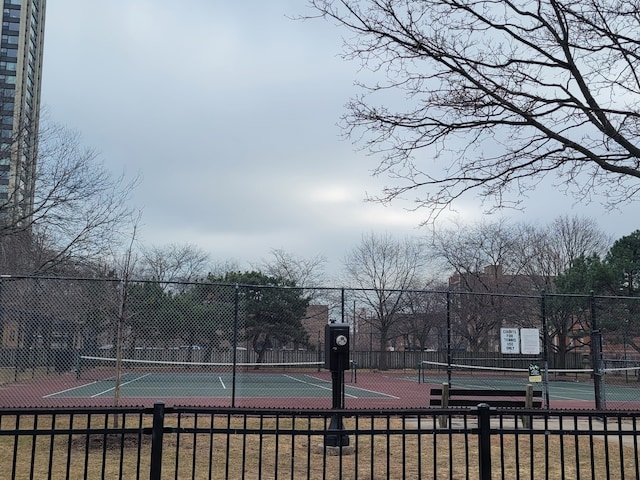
column 187, row 442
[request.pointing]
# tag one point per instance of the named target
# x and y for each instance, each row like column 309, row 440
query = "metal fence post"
column 449, row 355
column 157, row 432
column 236, row 309
column 484, row 442
column 545, row 348
column 596, row 353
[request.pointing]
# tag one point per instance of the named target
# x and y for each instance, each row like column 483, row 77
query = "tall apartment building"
column 21, row 52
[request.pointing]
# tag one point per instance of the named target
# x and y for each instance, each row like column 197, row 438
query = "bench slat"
column 462, row 392
column 468, row 402
column 458, row 392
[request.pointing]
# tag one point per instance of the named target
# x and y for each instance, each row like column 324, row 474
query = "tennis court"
column 293, row 385
column 215, row 385
column 566, row 388
column 98, row 381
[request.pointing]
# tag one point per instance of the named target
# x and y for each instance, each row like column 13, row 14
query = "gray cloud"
column 228, row 110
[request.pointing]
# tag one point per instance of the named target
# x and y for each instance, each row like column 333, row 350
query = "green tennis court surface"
column 214, row 385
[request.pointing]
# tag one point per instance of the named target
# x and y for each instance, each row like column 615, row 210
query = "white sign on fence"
column 530, row 341
column 510, row 340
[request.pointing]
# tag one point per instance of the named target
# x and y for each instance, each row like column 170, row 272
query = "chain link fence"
column 76, row 342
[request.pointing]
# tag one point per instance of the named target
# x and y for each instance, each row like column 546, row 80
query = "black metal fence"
column 215, row 443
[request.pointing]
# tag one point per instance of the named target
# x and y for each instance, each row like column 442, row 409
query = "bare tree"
column 486, row 264
column 382, row 268
column 305, row 272
column 126, row 270
column 467, row 251
column 79, row 210
column 492, row 96
column 424, row 320
column 175, row 263
column 220, row 267
column 500, row 258
column 550, row 250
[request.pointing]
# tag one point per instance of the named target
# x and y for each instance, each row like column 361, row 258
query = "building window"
column 10, row 39
column 11, row 66
column 9, row 52
column 10, row 79
column 12, row 13
column 11, row 26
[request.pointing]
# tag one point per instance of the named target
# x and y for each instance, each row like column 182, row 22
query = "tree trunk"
column 383, row 361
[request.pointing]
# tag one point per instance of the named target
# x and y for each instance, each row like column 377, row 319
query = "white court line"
column 374, row 391
column 346, row 394
column 222, row 382
column 69, row 389
column 315, row 385
column 122, row 385
column 371, row 391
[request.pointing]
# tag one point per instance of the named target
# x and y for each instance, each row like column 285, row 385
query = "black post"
column 596, row 354
column 337, row 385
column 319, row 352
column 336, row 438
column 545, row 348
column 156, row 441
column 449, row 360
column 336, row 389
column 236, row 300
column 336, row 360
column 484, row 442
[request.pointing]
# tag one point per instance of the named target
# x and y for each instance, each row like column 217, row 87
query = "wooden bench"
column 446, row 397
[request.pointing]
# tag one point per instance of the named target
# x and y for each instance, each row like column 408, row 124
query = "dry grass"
column 267, row 455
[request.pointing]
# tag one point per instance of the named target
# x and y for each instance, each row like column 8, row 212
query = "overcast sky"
column 228, row 111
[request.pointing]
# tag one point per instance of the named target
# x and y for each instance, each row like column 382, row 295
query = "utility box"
column 336, row 350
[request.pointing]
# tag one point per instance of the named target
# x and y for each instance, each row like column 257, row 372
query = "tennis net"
column 101, row 368
column 440, row 372
column 487, row 376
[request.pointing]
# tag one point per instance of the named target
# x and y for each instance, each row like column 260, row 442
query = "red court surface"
column 369, row 390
